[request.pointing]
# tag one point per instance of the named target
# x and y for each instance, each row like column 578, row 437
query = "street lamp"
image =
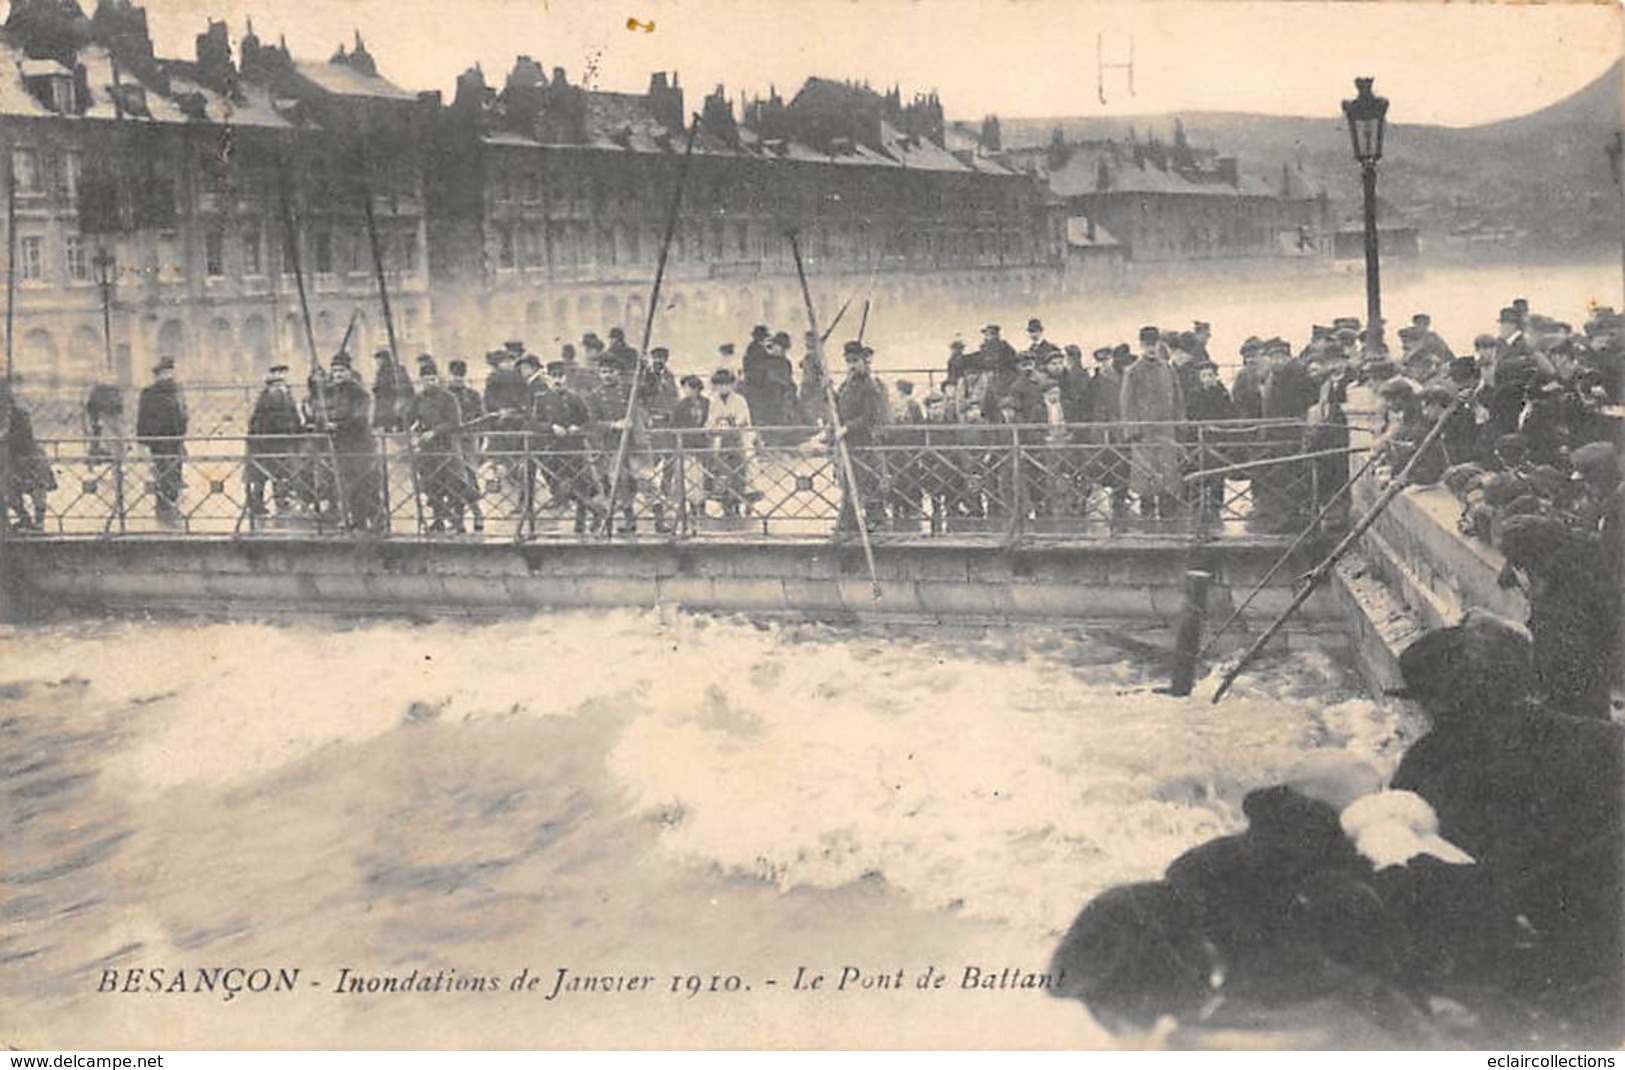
column 1367, row 115
column 104, row 263
column 1616, row 147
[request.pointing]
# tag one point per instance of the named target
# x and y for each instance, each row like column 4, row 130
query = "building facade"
column 163, row 204
column 549, row 204
column 155, row 200
column 1175, row 202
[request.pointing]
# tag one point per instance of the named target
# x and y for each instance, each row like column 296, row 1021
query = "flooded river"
column 420, row 821
column 1260, row 298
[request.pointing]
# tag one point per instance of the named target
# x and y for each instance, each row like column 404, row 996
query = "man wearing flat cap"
column 436, row 419
column 391, row 393
column 561, row 421
column 864, row 411
column 160, row 425
column 1153, row 400
column 472, row 408
column 356, row 450
column 273, row 443
column 997, row 359
column 624, row 356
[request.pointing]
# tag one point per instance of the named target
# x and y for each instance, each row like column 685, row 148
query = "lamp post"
column 1367, row 115
column 1615, row 148
column 103, row 262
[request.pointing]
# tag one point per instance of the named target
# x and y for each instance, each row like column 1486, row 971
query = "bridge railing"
column 1001, row 482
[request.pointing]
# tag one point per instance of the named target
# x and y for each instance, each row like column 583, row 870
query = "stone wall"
column 1137, row 584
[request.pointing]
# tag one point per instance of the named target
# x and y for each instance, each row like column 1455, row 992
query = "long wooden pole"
column 1244, row 466
column 7, row 566
column 291, row 249
column 817, row 352
column 1303, row 536
column 11, row 262
column 1322, row 570
column 666, row 239
column 377, row 259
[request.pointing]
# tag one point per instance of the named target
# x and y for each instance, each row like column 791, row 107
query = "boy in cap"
column 1209, row 401
column 728, row 418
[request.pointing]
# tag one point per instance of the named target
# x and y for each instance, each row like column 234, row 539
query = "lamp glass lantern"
column 1367, row 115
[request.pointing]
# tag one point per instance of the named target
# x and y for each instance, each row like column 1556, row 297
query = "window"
column 411, row 245
column 72, row 170
column 253, row 263
column 356, row 264
column 62, row 96
column 25, row 170
column 168, row 265
column 533, row 187
column 214, row 253
column 31, row 254
column 505, row 251
column 74, row 255
column 324, row 252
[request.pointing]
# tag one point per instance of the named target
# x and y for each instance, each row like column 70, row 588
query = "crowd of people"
column 1111, row 434
column 1472, row 901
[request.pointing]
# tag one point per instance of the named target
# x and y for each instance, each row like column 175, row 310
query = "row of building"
column 162, row 205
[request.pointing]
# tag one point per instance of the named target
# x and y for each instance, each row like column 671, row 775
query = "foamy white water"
column 1006, row 777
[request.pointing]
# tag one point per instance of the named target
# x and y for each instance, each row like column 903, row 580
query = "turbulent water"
column 602, row 791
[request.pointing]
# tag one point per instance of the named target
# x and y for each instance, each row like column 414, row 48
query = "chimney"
column 992, row 140
column 666, row 101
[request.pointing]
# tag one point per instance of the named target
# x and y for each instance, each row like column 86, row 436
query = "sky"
column 1453, row 63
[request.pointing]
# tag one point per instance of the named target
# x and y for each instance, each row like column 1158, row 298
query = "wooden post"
column 853, row 492
column 1188, row 636
column 672, row 216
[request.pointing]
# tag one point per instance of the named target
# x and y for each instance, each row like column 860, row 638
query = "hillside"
column 1544, row 178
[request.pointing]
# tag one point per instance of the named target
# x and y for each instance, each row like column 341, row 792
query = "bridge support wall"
column 1138, row 584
